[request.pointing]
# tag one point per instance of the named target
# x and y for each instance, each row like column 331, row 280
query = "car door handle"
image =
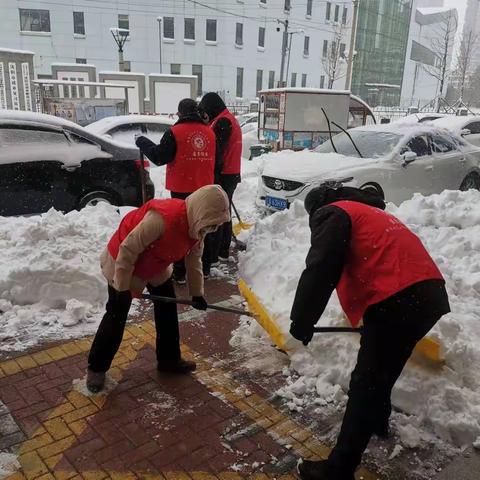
column 463, row 160
column 429, row 168
column 69, row 168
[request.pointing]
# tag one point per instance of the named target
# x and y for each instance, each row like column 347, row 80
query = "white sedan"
column 468, row 127
column 124, row 127
column 394, row 161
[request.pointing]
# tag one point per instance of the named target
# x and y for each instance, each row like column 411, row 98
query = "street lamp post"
column 159, row 20
column 120, row 36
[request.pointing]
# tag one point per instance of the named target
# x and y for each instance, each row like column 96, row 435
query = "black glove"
column 139, row 139
column 199, row 303
column 301, row 333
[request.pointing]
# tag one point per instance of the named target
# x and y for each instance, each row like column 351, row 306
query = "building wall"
column 472, row 25
column 219, row 61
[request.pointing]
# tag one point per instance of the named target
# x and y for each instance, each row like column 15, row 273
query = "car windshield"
column 372, row 144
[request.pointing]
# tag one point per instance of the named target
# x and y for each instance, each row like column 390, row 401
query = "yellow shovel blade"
column 238, row 227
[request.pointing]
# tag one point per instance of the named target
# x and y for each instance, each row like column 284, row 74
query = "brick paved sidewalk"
column 214, row 424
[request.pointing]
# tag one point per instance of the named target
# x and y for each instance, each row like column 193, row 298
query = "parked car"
column 421, row 117
column 248, row 121
column 468, row 127
column 124, row 127
column 47, row 162
column 393, row 161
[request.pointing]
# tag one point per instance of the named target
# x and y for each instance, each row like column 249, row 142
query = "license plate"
column 278, row 203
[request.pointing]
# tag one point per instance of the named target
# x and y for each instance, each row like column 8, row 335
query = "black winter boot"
column 320, row 470
column 95, row 381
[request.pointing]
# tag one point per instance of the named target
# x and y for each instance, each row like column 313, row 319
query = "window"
column 344, row 15
column 198, row 71
column 293, row 82
column 81, row 60
column 328, row 12
column 239, row 90
column 259, row 80
column 342, row 50
column 78, row 23
column 211, row 30
column 16, row 137
column 306, row 46
column 127, row 66
column 175, row 69
column 263, row 1
column 123, row 22
column 261, row 37
column 473, row 127
column 287, row 5
column 32, row 20
column 271, row 79
column 169, row 27
column 322, row 81
column 418, row 145
column 189, row 30
column 441, row 144
column 304, row 79
column 325, row 48
column 309, row 7
column 337, row 12
column 239, row 35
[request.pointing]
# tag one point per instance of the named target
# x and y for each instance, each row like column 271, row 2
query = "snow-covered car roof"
column 418, row 117
column 105, row 124
column 455, row 123
column 7, row 116
column 403, row 129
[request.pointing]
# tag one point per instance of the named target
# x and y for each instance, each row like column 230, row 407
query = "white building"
column 232, row 46
column 424, row 57
column 471, row 28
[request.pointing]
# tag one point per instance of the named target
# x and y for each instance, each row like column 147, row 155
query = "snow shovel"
column 240, row 225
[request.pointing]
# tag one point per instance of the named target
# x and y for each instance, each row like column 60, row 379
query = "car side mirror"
column 409, row 157
column 465, row 131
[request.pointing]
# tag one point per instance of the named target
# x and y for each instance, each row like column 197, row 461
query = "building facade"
column 471, row 30
column 233, row 47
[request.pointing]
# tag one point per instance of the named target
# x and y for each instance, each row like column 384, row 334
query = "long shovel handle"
column 143, row 181
column 184, row 301
column 337, row 330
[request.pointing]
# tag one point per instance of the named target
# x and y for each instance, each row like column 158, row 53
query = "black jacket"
column 330, row 240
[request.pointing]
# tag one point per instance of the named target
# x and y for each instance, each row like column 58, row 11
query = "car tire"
column 374, row 188
column 96, row 197
column 471, row 182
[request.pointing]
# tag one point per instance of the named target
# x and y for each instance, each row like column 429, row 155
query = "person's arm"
column 162, row 153
column 331, row 230
column 147, row 231
column 223, row 132
column 193, row 266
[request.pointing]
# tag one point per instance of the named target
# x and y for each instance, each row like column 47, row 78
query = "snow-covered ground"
column 443, row 403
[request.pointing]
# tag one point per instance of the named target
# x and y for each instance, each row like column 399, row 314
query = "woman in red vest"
column 383, row 274
column 229, row 158
column 140, row 254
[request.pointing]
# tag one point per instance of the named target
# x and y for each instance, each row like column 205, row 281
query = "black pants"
column 208, row 247
column 223, row 237
column 388, row 340
column 110, row 331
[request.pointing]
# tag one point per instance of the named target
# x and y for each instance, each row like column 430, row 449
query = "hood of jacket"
column 321, row 196
column 212, row 104
column 193, row 117
column 206, row 207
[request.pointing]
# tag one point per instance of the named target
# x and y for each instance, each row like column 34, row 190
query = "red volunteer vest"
column 172, row 246
column 232, row 156
column 385, row 257
column 194, row 162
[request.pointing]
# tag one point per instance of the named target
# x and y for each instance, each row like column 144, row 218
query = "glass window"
column 261, row 36
column 325, row 48
column 306, row 45
column 474, row 127
column 239, row 34
column 263, row 1
column 239, row 89
column 441, row 144
column 304, row 79
column 123, row 22
column 189, row 30
column 342, row 50
column 293, row 82
column 322, row 81
column 287, row 5
column 418, row 145
column 126, row 133
column 34, row 20
column 169, row 27
column 337, row 12
column 175, row 69
column 328, row 11
column 309, row 7
column 198, row 71
column 81, row 60
column 259, row 80
column 271, row 79
column 344, row 15
column 78, row 23
column 211, row 30
column 27, row 136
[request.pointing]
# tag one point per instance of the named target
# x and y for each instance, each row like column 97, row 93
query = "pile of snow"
column 51, row 285
column 443, row 403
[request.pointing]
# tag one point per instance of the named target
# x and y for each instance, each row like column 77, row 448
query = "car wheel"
column 471, row 182
column 374, row 188
column 94, row 198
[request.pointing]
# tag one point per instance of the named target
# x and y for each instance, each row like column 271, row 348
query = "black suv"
column 48, row 162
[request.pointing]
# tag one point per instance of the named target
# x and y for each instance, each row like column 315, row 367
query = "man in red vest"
column 188, row 149
column 139, row 254
column 383, row 274
column 229, row 157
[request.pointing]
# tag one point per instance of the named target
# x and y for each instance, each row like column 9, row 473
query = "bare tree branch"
column 335, row 55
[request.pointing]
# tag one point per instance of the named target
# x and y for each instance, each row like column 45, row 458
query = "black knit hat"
column 187, row 106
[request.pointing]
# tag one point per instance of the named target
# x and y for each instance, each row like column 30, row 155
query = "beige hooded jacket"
column 207, row 209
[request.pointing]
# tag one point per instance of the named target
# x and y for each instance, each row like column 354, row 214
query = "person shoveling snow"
column 383, row 273
column 139, row 254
